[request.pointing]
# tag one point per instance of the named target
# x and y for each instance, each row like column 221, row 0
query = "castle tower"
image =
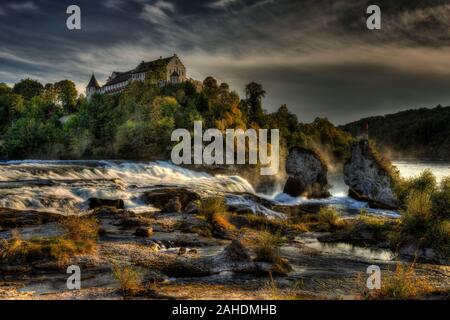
column 92, row 87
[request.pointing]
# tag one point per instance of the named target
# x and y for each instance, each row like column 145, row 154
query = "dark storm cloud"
column 315, row 55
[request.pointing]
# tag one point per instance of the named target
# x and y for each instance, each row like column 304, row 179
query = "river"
column 65, row 186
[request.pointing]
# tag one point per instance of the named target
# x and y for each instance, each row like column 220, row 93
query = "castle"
column 174, row 72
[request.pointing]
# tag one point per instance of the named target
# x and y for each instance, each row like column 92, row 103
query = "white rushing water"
column 65, row 186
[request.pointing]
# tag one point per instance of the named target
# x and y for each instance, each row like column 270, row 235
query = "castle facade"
column 173, row 70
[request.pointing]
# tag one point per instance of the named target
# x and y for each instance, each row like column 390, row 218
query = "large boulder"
column 307, row 174
column 13, row 219
column 97, row 203
column 160, row 198
column 368, row 178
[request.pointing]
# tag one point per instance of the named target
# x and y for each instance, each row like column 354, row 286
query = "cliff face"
column 367, row 179
column 307, row 174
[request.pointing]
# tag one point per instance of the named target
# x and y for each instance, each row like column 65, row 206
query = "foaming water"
column 65, row 186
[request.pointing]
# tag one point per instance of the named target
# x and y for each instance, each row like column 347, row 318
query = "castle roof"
column 93, row 82
column 142, row 67
column 120, row 77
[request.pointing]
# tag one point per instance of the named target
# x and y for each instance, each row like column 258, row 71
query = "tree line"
column 52, row 121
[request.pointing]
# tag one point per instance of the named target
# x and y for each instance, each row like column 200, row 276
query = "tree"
column 210, row 87
column 254, row 93
column 67, row 95
column 28, row 88
column 11, row 106
column 4, row 89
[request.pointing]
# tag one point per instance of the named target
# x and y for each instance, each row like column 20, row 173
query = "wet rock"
column 368, row 179
column 97, row 203
column 159, row 198
column 193, row 251
column 143, row 232
column 246, row 203
column 184, row 268
column 154, row 247
column 130, row 222
column 108, row 213
column 412, row 252
column 191, row 208
column 182, row 251
column 12, row 219
column 174, row 205
column 307, row 174
column 221, row 233
column 279, row 268
column 192, row 224
column 234, row 253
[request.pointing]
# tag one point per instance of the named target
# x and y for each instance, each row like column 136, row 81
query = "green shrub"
column 267, row 247
column 128, row 278
column 328, row 218
column 211, row 206
column 418, row 214
column 425, row 218
column 426, row 182
column 402, row 285
column 441, row 199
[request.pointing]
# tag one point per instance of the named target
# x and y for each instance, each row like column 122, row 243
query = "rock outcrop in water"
column 177, row 196
column 368, row 179
column 307, row 174
column 98, row 203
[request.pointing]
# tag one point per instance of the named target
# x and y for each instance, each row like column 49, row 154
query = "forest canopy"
column 52, row 121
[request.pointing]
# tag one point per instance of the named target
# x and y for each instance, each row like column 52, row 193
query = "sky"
column 316, row 56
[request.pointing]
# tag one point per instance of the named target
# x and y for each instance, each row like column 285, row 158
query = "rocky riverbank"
column 201, row 250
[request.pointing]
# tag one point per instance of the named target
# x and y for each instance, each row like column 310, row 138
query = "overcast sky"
column 317, row 56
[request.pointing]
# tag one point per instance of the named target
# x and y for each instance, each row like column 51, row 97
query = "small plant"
column 328, row 218
column 80, row 229
column 221, row 220
column 291, row 293
column 267, row 247
column 79, row 238
column 128, row 278
column 211, row 206
column 402, row 285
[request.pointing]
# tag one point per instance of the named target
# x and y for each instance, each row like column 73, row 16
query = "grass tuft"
column 129, row 279
column 402, row 285
column 329, row 218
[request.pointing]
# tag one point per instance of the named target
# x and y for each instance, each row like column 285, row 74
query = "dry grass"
column 328, row 218
column 402, row 285
column 79, row 229
column 128, row 278
column 211, row 206
column 79, row 238
column 292, row 293
column 221, row 220
column 267, row 247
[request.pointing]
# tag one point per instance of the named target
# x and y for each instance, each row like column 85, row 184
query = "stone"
column 160, row 197
column 173, row 206
column 234, row 253
column 307, row 174
column 12, row 219
column 368, row 179
column 182, row 251
column 191, row 208
column 97, row 203
column 143, row 232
